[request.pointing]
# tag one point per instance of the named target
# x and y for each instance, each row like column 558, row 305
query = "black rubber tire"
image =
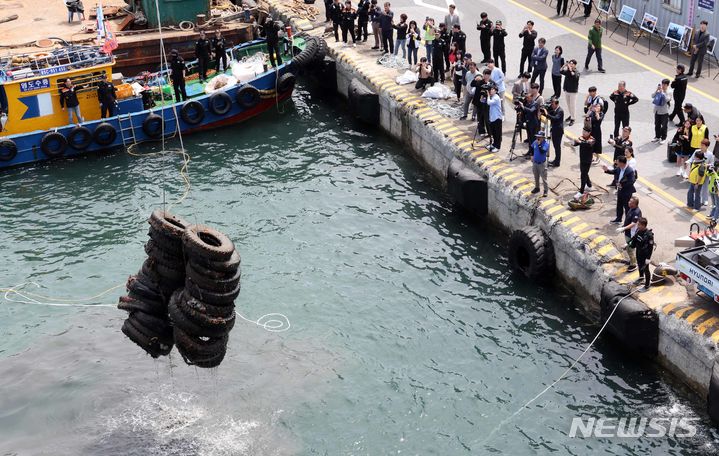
column 182, row 321
column 105, row 134
column 207, row 267
column 79, row 138
column 322, row 50
column 192, row 112
column 671, row 156
column 8, row 150
column 163, row 257
column 220, row 103
column 211, row 297
column 200, row 348
column 142, row 286
column 248, row 96
column 130, row 304
column 153, row 325
column 165, row 242
column 53, row 144
column 202, row 362
column 206, row 321
column 189, row 302
column 226, row 282
column 531, row 253
column 204, row 242
column 286, row 83
column 152, row 302
column 308, row 54
column 152, row 126
column 152, row 346
column 168, row 224
column 161, row 273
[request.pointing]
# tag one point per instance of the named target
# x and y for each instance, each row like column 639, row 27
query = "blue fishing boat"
column 35, row 127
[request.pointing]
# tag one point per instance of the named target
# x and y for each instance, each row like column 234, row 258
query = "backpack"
column 702, row 170
column 605, row 106
column 659, row 99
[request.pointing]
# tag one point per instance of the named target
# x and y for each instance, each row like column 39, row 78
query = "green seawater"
column 408, row 335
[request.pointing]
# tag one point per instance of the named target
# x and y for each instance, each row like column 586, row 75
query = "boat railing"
column 29, row 65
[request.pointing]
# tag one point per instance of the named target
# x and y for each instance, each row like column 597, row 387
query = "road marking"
column 613, row 51
column 696, row 314
column 586, row 234
column 597, row 240
column 605, row 249
column 668, row 308
column 576, row 229
column 571, row 221
column 554, row 209
column 679, row 313
column 702, row 328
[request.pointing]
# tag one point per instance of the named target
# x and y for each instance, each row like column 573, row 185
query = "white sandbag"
column 220, row 82
column 137, row 88
column 247, row 70
column 439, row 91
column 407, row 78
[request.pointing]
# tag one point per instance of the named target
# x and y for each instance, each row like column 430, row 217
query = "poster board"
column 604, row 6
column 649, row 23
column 675, row 32
column 627, row 14
column 707, row 5
column 686, row 38
column 712, row 44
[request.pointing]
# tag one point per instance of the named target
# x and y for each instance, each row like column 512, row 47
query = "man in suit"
column 556, row 129
column 699, row 49
column 539, row 62
column 451, row 19
column 625, row 177
column 528, row 35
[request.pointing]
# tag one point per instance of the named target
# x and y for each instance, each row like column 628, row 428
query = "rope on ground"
column 393, row 61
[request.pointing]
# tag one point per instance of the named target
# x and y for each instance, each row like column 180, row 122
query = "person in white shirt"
column 498, row 77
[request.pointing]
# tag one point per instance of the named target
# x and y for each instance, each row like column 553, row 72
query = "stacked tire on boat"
column 184, row 293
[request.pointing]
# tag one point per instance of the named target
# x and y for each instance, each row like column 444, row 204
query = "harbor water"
column 407, row 333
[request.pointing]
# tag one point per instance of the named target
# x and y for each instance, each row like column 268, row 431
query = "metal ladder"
column 131, row 128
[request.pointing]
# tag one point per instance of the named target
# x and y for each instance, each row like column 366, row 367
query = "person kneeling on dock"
column 643, row 242
column 424, row 74
column 540, row 154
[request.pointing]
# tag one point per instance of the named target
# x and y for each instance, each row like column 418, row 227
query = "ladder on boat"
column 126, row 138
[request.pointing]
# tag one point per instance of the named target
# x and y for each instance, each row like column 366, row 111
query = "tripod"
column 518, row 127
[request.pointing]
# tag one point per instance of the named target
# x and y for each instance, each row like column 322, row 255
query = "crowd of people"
column 480, row 82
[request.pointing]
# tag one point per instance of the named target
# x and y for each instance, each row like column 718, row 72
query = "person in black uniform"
column 271, row 31
column 459, row 37
column 485, row 36
column 530, row 112
column 498, row 35
column 562, row 7
column 556, row 129
column 679, row 87
column 438, row 49
column 177, row 74
column 445, row 35
column 528, row 35
column 362, row 19
column 219, row 45
column 643, row 242
column 202, row 52
column 586, row 155
column 328, row 7
column 106, row 96
column 336, row 15
column 622, row 99
column 348, row 22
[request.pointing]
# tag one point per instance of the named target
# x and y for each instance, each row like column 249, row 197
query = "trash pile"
column 184, row 293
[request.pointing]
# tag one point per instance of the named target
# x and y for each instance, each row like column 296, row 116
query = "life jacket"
column 697, row 173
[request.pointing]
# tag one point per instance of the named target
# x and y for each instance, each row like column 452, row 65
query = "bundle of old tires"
column 203, row 312
column 149, row 291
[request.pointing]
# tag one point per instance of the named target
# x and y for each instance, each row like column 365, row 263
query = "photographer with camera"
column 586, row 155
column 540, row 155
column 622, row 99
column 554, row 113
column 481, row 93
column 621, row 143
column 424, row 74
column 528, row 36
column 529, row 110
column 496, row 116
column 661, row 101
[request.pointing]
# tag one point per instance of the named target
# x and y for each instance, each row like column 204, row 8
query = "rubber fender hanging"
column 203, row 242
column 633, row 324
column 220, row 103
column 363, row 102
column 307, row 54
column 8, row 150
column 105, row 134
column 152, row 126
column 248, row 96
column 192, row 112
column 286, row 83
column 713, row 396
column 79, row 138
column 53, row 144
column 467, row 189
column 322, row 50
column 531, row 253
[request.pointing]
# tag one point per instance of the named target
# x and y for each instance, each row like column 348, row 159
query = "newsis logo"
column 632, row 427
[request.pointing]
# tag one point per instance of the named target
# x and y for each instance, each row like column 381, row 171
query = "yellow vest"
column 698, row 136
column 694, row 177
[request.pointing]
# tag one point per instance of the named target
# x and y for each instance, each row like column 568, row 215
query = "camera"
column 547, row 106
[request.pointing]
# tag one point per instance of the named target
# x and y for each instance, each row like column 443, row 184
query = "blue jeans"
column 399, row 43
column 694, row 196
column 715, row 210
column 412, row 56
column 428, row 47
column 75, row 110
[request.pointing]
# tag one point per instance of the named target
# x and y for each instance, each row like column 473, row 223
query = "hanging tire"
column 105, row 134
column 181, row 321
column 286, row 83
column 206, row 362
column 307, row 54
column 163, row 257
column 531, row 253
column 187, row 301
column 205, row 242
column 152, row 325
column 53, row 144
column 248, row 96
column 79, row 138
column 152, row 346
column 214, row 283
column 131, row 304
column 220, row 103
column 152, row 126
column 192, row 112
column 211, row 297
column 196, row 347
column 212, row 268
column 168, row 224
column 8, row 150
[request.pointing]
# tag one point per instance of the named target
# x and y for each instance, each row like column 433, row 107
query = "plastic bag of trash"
column 247, row 70
column 407, row 78
column 440, row 91
column 220, row 82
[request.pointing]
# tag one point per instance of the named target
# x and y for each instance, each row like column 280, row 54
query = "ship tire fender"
column 220, row 103
column 152, row 325
column 199, row 348
column 192, row 112
column 248, row 96
column 131, row 304
column 180, row 320
column 211, row 297
column 216, row 268
column 8, row 150
column 151, row 345
column 168, row 224
column 218, row 284
column 187, row 301
column 105, row 134
column 308, row 53
column 53, row 144
column 713, row 396
column 205, row 242
column 531, row 253
column 152, row 126
column 286, row 83
column 79, row 138
column 205, row 362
